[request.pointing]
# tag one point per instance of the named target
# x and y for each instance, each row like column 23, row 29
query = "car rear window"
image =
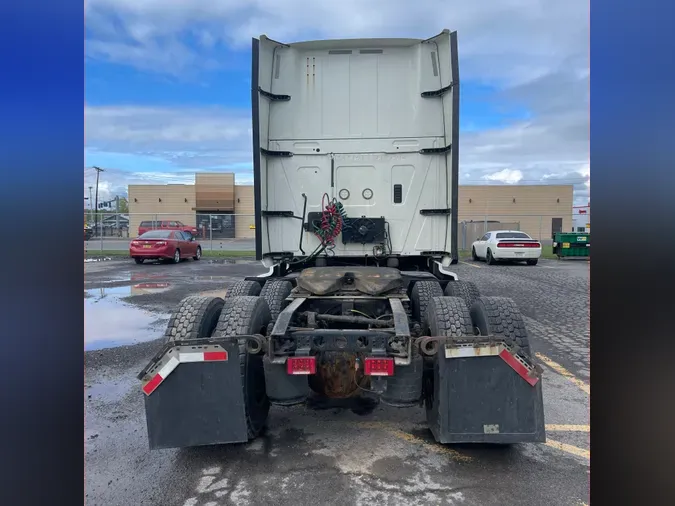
column 156, row 234
column 513, row 235
column 147, row 224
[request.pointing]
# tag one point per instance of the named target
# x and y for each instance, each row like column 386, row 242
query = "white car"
column 510, row 245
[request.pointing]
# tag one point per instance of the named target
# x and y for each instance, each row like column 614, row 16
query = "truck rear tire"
column 499, row 316
column 243, row 288
column 422, row 293
column 463, row 289
column 195, row 318
column 275, row 293
column 246, row 315
column 447, row 317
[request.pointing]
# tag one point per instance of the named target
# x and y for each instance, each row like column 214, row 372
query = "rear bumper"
column 140, row 253
column 513, row 254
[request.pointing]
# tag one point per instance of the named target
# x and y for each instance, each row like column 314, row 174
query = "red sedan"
column 171, row 245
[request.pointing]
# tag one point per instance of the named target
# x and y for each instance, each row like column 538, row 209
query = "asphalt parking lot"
column 338, row 455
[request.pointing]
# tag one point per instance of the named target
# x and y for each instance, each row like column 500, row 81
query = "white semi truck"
column 355, row 149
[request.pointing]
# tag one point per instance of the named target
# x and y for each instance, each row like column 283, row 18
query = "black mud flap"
column 200, row 402
column 484, row 400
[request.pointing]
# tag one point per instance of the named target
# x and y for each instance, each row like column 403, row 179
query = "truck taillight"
column 378, row 366
column 301, row 365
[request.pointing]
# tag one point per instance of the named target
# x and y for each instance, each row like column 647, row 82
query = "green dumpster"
column 571, row 244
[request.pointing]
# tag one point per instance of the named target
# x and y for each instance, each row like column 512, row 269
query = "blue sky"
column 167, row 83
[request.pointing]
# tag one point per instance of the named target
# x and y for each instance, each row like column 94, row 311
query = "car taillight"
column 301, row 365
column 378, row 366
column 134, row 243
column 518, row 245
column 160, row 243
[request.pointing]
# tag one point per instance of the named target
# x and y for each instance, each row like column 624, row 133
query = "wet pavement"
column 322, row 453
column 111, row 322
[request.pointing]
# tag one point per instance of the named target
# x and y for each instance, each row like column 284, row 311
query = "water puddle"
column 233, row 261
column 110, row 322
column 110, row 391
column 128, row 291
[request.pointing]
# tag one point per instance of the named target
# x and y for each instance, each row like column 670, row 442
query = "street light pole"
column 98, row 171
column 91, row 201
column 117, row 215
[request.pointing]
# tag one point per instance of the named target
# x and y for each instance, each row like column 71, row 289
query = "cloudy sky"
column 168, row 82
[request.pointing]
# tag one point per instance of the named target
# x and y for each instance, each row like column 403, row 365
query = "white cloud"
column 507, row 176
column 180, row 134
column 511, row 41
column 187, row 139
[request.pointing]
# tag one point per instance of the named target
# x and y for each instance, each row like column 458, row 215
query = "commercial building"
column 582, row 219
column 539, row 210
column 216, row 205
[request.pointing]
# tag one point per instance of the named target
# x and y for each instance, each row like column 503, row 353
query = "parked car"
column 173, row 245
column 88, row 232
column 148, row 225
column 506, row 245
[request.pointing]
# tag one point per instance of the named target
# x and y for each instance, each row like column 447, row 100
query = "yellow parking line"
column 472, row 265
column 456, row 455
column 436, row 448
column 574, row 450
column 564, row 372
column 568, row 428
column 410, row 438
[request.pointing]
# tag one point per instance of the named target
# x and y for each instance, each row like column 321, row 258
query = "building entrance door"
column 556, row 226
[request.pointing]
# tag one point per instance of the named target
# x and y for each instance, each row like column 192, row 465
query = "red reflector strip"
column 212, row 356
column 518, row 245
column 150, row 386
column 161, row 375
column 518, row 367
column 301, row 365
column 378, row 366
column 182, row 358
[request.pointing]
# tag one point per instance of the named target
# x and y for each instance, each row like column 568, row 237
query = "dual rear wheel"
column 247, row 309
column 460, row 311
column 199, row 317
column 443, row 313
